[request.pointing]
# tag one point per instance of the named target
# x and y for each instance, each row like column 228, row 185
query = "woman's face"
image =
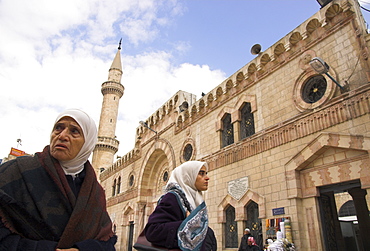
column 201, row 183
column 66, row 139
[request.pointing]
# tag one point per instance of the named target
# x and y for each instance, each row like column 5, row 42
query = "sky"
column 55, row 55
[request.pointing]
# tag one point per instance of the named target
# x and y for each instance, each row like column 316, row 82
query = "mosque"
column 286, row 137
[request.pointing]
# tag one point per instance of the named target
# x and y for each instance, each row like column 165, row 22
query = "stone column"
column 363, row 217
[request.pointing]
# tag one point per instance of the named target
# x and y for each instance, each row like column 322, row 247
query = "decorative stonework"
column 237, row 188
column 302, row 81
column 303, row 175
column 110, row 87
column 108, row 144
column 349, row 106
column 240, row 204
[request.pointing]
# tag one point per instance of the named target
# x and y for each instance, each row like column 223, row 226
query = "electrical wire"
column 358, row 60
column 364, row 8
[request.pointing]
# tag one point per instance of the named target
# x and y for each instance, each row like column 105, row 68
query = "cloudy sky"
column 56, row 54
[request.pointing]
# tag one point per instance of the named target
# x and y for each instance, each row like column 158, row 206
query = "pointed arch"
column 303, row 177
column 160, row 150
column 253, row 196
column 128, row 214
column 227, row 200
column 221, row 114
column 240, row 204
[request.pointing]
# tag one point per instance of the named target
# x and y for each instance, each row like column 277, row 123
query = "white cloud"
column 55, row 55
column 149, row 81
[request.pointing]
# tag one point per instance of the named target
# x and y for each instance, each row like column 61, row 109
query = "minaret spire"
column 119, row 45
column 112, row 91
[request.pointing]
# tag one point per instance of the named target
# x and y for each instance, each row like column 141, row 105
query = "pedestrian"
column 244, row 240
column 52, row 200
column 180, row 220
column 251, row 245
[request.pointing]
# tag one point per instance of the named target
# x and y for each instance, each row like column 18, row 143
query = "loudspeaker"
column 256, row 49
column 184, row 106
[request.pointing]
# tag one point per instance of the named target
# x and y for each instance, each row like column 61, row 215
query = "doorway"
column 130, row 236
column 345, row 220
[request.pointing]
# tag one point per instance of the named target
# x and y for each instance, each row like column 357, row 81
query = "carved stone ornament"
column 237, row 188
column 306, row 58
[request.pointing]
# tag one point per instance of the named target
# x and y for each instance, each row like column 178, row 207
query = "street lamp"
column 321, row 67
column 146, row 125
column 323, row 3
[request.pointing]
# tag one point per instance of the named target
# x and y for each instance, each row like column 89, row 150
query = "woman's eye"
column 58, row 128
column 75, row 131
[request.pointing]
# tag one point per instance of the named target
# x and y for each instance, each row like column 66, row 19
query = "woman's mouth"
column 61, row 146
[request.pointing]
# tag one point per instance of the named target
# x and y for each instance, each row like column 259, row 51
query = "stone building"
column 284, row 141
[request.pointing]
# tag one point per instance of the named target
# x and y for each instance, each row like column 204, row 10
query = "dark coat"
column 163, row 223
column 252, row 248
column 244, row 242
column 39, row 209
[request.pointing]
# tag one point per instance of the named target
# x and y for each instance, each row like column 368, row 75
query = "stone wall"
column 297, row 146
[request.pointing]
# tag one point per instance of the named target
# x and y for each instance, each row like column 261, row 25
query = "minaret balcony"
column 107, row 143
column 112, row 87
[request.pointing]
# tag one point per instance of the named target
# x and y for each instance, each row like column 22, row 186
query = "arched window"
column 119, row 185
column 114, row 187
column 347, row 209
column 228, row 131
column 131, row 180
column 165, row 176
column 231, row 228
column 247, row 121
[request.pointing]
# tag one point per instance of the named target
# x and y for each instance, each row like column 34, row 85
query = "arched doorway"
column 328, row 166
column 344, row 217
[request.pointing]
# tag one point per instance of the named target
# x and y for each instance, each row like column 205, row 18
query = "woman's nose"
column 63, row 134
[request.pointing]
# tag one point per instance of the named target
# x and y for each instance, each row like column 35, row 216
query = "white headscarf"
column 185, row 175
column 87, row 124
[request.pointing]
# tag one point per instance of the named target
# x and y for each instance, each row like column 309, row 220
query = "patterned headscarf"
column 250, row 238
column 76, row 165
column 185, row 175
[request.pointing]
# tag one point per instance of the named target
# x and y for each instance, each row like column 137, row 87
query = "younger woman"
column 180, row 219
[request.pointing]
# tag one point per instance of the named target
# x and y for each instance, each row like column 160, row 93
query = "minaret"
column 112, row 91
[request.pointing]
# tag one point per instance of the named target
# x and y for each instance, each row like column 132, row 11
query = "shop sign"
column 278, row 211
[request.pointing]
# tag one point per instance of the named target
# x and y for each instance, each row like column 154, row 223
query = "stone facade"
column 298, row 152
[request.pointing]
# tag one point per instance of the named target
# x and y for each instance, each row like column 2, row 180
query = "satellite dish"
column 256, row 49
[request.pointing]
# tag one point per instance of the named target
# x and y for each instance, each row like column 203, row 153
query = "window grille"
column 231, row 229
column 228, row 131
column 119, row 185
column 247, row 121
column 114, row 188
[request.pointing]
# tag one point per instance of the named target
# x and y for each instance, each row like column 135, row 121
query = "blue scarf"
column 193, row 229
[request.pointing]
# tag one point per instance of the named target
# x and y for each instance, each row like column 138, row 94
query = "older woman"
column 180, row 219
column 53, row 201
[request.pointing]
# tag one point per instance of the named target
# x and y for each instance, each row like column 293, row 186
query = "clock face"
column 314, row 89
